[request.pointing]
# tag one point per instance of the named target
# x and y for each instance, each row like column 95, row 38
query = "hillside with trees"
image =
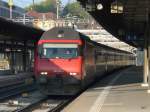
column 44, row 6
column 75, row 9
column 71, row 9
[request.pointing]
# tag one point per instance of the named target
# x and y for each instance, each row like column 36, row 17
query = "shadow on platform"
column 129, row 77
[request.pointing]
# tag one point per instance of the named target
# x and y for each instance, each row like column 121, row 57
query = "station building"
column 4, row 10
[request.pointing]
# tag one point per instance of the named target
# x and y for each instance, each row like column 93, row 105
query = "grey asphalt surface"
column 119, row 92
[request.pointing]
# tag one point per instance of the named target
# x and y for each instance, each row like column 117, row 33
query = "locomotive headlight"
column 43, row 73
column 73, row 73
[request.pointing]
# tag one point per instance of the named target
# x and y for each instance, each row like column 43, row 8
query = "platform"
column 119, row 92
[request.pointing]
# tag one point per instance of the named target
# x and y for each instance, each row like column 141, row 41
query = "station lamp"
column 10, row 3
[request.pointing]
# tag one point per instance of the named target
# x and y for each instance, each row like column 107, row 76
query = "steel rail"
column 60, row 106
column 31, row 106
column 15, row 90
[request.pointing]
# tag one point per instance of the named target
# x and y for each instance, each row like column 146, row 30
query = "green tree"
column 75, row 9
column 44, row 6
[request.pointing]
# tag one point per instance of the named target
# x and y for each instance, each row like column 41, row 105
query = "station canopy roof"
column 128, row 20
column 18, row 32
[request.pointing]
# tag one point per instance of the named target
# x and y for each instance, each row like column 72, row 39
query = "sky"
column 24, row 3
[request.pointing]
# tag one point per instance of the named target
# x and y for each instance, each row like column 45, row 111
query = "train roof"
column 60, row 33
column 101, row 45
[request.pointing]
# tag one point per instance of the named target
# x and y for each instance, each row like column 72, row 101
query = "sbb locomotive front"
column 66, row 61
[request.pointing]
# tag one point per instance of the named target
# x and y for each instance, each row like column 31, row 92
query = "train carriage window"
column 40, row 50
column 80, row 50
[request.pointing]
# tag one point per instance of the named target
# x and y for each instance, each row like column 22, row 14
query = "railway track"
column 52, row 105
column 10, row 91
column 11, row 86
column 19, row 94
column 34, row 102
column 20, row 102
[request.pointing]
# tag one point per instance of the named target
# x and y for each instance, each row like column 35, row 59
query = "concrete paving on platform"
column 119, row 92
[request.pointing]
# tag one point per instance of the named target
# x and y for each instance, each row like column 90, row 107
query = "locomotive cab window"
column 59, row 50
column 40, row 50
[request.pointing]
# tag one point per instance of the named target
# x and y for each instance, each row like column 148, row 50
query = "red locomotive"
column 66, row 61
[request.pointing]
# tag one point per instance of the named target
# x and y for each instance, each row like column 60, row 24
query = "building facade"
column 5, row 11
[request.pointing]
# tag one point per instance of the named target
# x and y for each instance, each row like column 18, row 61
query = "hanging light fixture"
column 99, row 6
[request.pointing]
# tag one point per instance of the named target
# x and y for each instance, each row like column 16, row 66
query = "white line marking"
column 97, row 106
column 113, row 104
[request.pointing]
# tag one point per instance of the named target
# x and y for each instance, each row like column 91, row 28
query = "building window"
column 116, row 7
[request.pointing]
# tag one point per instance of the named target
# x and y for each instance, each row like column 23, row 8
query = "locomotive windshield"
column 59, row 51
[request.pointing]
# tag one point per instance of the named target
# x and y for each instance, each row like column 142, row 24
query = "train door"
column 89, row 62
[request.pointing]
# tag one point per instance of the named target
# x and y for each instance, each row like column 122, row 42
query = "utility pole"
column 10, row 3
column 24, row 19
column 33, row 4
column 57, row 4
